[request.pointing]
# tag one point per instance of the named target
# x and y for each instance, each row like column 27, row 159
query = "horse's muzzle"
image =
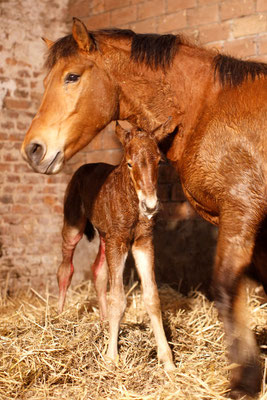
column 36, row 155
column 35, row 152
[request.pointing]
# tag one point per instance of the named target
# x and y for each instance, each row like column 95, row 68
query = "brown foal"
column 120, row 203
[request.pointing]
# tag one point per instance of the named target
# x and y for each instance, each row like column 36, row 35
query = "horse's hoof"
column 248, row 384
column 237, row 394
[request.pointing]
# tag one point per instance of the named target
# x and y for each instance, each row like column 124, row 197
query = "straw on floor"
column 50, row 356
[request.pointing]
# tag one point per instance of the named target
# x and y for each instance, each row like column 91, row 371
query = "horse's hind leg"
column 234, row 253
column 143, row 254
column 100, row 277
column 71, row 236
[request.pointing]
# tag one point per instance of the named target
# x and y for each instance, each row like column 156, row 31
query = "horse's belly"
column 204, row 208
column 221, row 169
column 198, row 183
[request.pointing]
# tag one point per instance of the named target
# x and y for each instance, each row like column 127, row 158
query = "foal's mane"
column 158, row 51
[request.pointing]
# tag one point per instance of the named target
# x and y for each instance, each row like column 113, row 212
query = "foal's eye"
column 129, row 165
column 72, row 78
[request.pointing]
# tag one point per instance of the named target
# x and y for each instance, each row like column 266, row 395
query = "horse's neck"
column 148, row 98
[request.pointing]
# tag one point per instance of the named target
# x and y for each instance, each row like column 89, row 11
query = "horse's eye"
column 72, row 78
column 129, row 165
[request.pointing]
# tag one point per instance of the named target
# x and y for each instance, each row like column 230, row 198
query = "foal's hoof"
column 169, row 366
column 111, row 362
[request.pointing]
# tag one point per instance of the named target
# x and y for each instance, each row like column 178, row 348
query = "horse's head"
column 79, row 100
column 142, row 156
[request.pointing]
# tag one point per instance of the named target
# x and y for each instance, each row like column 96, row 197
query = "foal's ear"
column 81, row 36
column 121, row 133
column 48, row 42
column 162, row 129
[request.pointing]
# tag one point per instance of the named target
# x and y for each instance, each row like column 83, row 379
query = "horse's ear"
column 81, row 35
column 48, row 42
column 162, row 129
column 121, row 133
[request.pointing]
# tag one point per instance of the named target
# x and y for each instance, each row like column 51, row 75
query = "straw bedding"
column 50, row 356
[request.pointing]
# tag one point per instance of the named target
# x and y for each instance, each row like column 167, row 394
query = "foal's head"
column 142, row 156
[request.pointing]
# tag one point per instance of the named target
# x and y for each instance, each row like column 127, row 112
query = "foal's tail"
column 74, row 208
column 89, row 230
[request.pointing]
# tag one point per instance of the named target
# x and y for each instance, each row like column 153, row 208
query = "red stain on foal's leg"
column 100, row 258
column 65, row 282
column 100, row 277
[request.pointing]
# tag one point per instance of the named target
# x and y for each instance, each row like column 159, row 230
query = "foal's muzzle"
column 148, row 211
column 36, row 155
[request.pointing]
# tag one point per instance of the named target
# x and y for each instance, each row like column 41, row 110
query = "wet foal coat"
column 218, row 146
column 120, row 203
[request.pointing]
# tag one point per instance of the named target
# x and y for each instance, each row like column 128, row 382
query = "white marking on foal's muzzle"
column 148, row 205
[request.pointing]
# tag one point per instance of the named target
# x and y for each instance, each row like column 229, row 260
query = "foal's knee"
column 152, row 301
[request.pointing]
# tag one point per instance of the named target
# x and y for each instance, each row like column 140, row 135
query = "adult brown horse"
column 218, row 144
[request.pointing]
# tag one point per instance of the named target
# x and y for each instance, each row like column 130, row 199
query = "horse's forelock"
column 66, row 47
column 62, row 48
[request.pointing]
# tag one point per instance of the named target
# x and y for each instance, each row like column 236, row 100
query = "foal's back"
column 83, row 190
column 105, row 196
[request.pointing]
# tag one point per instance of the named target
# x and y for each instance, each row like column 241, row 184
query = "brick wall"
column 238, row 27
column 31, row 204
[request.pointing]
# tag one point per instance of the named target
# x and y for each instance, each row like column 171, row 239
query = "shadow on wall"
column 184, row 254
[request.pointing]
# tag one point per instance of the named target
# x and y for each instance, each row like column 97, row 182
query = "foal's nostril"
column 35, row 152
column 149, row 210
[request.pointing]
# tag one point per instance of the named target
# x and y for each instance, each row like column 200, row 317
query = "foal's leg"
column 233, row 255
column 100, row 276
column 71, row 236
column 116, row 253
column 143, row 254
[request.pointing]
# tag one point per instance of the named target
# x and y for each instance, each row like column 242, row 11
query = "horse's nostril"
column 35, row 152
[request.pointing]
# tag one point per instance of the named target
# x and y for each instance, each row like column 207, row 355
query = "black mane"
column 156, row 51
column 233, row 71
column 152, row 49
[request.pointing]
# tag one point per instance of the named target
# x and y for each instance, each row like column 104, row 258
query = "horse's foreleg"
column 71, row 237
column 100, row 277
column 116, row 254
column 259, row 266
column 234, row 253
column 143, row 253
